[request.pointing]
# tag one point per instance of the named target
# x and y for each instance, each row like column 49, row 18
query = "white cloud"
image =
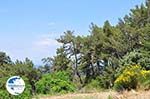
column 47, row 42
column 44, row 46
column 35, row 48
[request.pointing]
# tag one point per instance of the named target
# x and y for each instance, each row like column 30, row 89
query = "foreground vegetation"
column 110, row 57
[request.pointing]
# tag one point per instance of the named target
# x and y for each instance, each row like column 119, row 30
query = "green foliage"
column 133, row 77
column 144, row 80
column 4, row 94
column 128, row 79
column 23, row 69
column 140, row 57
column 94, row 84
column 54, row 83
column 58, row 63
column 4, row 59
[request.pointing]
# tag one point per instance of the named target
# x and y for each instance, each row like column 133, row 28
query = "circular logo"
column 15, row 85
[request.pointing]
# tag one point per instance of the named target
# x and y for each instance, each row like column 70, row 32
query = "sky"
column 28, row 28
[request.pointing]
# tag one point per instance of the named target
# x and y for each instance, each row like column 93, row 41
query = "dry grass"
column 134, row 95
column 103, row 95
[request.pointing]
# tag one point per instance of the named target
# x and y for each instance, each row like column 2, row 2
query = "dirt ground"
column 103, row 95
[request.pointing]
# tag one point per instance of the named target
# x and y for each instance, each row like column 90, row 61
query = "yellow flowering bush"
column 133, row 77
column 144, row 80
column 145, row 73
column 129, row 78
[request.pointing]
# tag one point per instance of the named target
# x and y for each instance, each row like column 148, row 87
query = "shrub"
column 4, row 94
column 144, row 80
column 128, row 79
column 94, row 84
column 54, row 83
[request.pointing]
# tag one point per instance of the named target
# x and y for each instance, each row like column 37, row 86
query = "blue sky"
column 28, row 28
